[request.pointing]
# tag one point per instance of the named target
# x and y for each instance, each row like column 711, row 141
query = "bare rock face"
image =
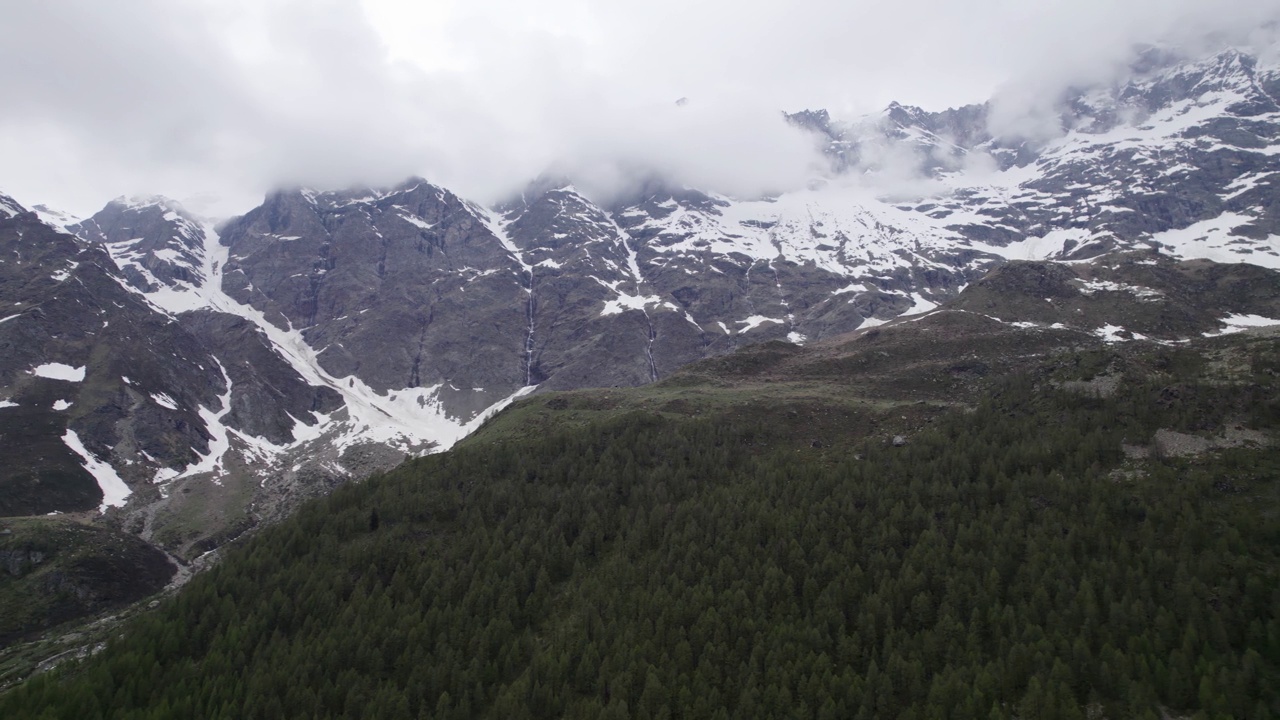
column 80, row 353
column 1140, row 295
column 413, row 287
column 268, row 396
column 579, row 264
column 153, row 241
column 403, row 289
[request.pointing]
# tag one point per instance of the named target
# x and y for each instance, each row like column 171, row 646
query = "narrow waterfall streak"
column 648, row 349
column 530, row 310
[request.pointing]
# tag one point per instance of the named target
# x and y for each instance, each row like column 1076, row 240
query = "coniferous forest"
column 1013, row 559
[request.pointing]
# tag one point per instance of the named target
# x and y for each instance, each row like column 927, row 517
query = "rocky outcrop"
column 155, row 243
column 268, row 396
column 404, row 289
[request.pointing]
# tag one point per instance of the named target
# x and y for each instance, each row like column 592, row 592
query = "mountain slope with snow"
column 326, row 335
column 100, row 389
column 1181, row 156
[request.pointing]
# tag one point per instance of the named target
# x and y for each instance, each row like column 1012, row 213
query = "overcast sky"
column 216, row 101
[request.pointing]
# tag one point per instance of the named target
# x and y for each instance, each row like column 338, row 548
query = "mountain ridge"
column 342, row 331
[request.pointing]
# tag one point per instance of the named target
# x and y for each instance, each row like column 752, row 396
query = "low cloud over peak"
column 225, row 99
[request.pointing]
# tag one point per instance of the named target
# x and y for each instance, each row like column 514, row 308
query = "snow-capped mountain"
column 93, row 377
column 324, row 335
column 281, row 427
column 1180, row 156
column 154, row 242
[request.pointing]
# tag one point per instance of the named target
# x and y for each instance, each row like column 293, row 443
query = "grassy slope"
column 56, row 569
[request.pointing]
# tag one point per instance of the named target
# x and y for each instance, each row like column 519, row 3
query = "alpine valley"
column 169, row 383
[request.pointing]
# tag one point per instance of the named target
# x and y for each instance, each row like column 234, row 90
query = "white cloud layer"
column 227, row 98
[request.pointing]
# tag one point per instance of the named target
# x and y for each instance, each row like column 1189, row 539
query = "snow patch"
column 164, row 400
column 220, row 440
column 920, row 305
column 1115, row 334
column 1046, row 246
column 1240, row 323
column 302, row 432
column 756, row 321
column 416, row 221
column 629, row 302
column 1212, row 240
column 61, row 405
column 58, row 371
column 114, row 490
column 498, row 226
column 1142, row 293
column 171, row 256
column 851, row 288
column 1243, row 184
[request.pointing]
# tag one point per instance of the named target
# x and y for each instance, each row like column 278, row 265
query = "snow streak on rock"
column 114, row 490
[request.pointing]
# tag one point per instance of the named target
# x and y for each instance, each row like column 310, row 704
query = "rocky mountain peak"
column 906, row 115
column 560, row 219
column 815, row 120
column 60, row 219
column 282, row 212
column 154, row 241
column 1230, row 76
column 532, row 192
column 9, row 206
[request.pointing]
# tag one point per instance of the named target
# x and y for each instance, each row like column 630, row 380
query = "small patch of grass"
column 200, row 515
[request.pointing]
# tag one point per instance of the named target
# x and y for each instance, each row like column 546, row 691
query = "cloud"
column 1083, row 46
column 228, row 98
column 184, row 96
column 231, row 98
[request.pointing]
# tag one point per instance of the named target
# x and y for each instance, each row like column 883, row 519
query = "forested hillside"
column 1096, row 536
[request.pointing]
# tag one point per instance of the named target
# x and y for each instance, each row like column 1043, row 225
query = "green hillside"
column 1094, row 536
column 55, row 572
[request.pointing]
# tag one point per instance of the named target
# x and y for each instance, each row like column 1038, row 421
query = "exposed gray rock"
column 63, row 305
column 154, row 242
column 19, row 562
column 268, row 396
column 403, row 289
